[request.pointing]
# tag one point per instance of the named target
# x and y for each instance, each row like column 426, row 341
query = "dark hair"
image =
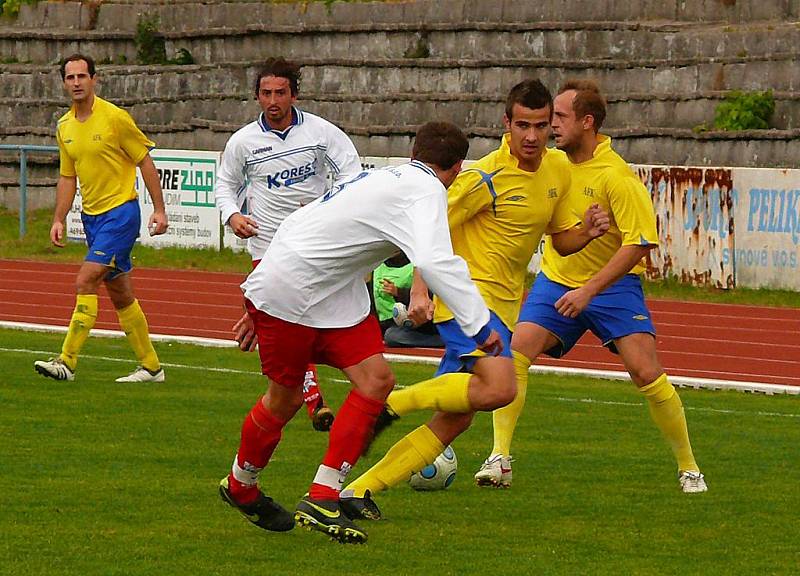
column 530, row 93
column 440, row 143
column 280, row 68
column 75, row 58
column 588, row 101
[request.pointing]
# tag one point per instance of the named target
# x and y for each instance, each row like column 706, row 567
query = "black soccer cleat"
column 264, row 512
column 355, row 507
column 328, row 517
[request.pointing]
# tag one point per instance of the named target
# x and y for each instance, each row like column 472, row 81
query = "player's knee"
column 645, row 375
column 379, row 383
column 283, row 401
column 504, row 392
column 499, row 392
column 504, row 383
column 385, row 381
column 500, row 383
column 85, row 285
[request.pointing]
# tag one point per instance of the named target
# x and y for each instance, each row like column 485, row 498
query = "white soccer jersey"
column 278, row 172
column 313, row 272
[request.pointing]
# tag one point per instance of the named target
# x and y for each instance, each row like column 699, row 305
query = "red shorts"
column 286, row 349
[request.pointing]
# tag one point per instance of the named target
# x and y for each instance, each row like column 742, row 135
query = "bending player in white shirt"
column 279, row 163
column 309, row 302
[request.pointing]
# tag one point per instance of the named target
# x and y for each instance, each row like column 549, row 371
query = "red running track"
column 699, row 340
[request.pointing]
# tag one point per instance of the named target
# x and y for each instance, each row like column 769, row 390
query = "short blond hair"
column 588, row 100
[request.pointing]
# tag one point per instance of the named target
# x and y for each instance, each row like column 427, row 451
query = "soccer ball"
column 400, row 315
column 436, row 476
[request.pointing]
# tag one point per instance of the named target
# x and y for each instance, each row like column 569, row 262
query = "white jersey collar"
column 297, row 119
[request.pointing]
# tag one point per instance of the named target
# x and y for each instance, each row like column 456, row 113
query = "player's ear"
column 507, row 122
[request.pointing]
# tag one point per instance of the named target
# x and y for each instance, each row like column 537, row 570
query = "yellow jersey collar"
column 603, row 145
column 95, row 100
column 505, row 156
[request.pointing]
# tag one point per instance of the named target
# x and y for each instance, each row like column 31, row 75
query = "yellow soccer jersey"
column 605, row 179
column 498, row 214
column 102, row 152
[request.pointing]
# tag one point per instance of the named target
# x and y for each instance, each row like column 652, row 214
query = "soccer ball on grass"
column 436, row 476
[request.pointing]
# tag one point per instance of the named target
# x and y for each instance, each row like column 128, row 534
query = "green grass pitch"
column 111, row 479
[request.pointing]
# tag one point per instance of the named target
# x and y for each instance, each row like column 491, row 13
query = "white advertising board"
column 767, row 223
column 187, row 182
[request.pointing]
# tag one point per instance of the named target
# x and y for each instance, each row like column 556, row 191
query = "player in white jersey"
column 309, row 302
column 277, row 164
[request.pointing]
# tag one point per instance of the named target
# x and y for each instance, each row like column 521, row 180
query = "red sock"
column 311, row 392
column 348, row 436
column 261, row 433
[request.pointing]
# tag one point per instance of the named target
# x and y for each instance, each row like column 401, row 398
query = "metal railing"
column 23, row 150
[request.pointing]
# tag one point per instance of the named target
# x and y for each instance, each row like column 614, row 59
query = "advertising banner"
column 767, row 228
column 694, row 218
column 187, row 181
column 723, row 227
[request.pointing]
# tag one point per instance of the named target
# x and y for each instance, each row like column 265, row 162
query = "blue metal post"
column 23, row 192
column 23, row 150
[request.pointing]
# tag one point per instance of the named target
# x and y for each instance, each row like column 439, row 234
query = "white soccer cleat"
column 142, row 374
column 54, row 368
column 495, row 471
column 692, row 482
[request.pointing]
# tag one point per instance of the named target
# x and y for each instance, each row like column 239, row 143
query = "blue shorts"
column 460, row 351
column 616, row 312
column 111, row 236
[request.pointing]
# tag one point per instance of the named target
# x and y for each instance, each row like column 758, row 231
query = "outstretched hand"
column 595, row 221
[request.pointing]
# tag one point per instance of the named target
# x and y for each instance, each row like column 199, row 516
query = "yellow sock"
column 411, row 454
column 445, row 393
column 505, row 418
column 666, row 410
column 82, row 321
column 134, row 323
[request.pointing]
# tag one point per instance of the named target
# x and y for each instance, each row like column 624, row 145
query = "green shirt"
column 401, row 277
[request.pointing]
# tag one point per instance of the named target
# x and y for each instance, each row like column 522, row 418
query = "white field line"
column 681, row 381
column 344, row 381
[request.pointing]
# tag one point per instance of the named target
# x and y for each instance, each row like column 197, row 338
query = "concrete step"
column 486, row 41
column 182, row 14
column 41, row 193
column 778, row 71
column 671, row 146
column 474, row 110
column 38, row 167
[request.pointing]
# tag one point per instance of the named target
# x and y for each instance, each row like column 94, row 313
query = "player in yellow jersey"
column 498, row 210
column 100, row 145
column 596, row 289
